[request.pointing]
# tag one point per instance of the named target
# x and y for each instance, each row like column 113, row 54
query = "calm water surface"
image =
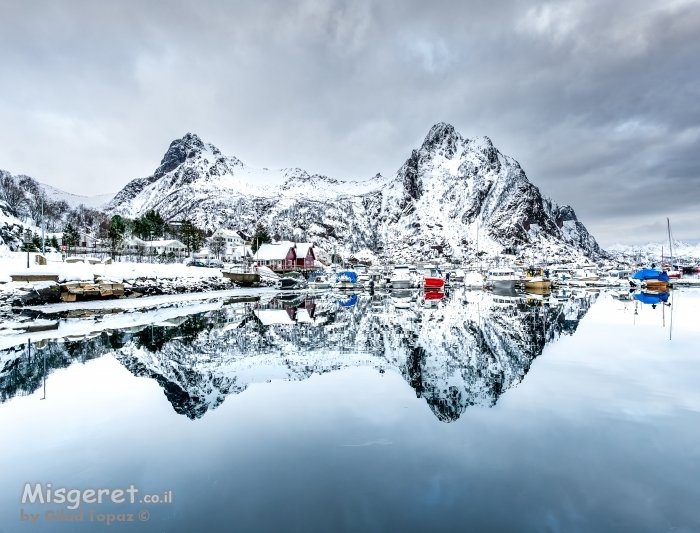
column 475, row 412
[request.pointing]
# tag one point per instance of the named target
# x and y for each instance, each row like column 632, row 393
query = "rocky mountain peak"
column 188, row 147
column 442, row 139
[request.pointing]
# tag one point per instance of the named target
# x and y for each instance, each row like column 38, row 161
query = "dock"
column 243, row 279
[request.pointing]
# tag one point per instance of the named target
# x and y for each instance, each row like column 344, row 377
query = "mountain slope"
column 450, row 196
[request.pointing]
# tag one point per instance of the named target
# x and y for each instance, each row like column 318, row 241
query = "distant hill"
column 651, row 251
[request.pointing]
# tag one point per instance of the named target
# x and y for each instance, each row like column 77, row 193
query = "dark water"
column 370, row 413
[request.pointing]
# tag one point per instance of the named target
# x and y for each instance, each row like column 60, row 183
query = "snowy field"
column 16, row 263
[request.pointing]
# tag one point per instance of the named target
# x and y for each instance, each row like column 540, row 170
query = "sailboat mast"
column 670, row 242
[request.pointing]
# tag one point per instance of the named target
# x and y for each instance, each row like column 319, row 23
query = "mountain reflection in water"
column 463, row 349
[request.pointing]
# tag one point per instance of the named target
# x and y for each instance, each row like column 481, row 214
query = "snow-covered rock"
column 450, row 196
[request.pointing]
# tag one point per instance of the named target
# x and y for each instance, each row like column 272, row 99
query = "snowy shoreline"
column 138, row 280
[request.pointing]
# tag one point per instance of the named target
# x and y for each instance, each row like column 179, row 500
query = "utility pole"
column 43, row 225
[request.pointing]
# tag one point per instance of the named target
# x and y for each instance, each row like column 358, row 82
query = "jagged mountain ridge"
column 450, row 196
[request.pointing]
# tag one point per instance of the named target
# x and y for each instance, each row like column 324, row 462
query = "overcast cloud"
column 598, row 100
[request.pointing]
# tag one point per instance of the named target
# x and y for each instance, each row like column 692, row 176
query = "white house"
column 133, row 244
column 234, row 244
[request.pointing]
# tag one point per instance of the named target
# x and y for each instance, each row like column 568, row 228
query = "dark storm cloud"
column 598, row 100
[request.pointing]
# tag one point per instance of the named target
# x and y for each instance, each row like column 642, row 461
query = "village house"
column 236, row 248
column 133, row 245
column 286, row 255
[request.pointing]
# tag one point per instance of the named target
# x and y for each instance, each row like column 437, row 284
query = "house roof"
column 274, row 252
column 228, row 233
column 168, row 242
column 273, row 316
column 302, row 248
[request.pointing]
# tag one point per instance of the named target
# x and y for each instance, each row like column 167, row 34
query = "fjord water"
column 477, row 412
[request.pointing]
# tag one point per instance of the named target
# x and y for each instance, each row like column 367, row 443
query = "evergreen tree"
column 71, row 237
column 260, row 237
column 191, row 236
column 117, row 229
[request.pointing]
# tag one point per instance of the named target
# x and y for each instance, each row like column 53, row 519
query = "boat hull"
column 292, row 285
column 346, row 286
column 433, row 283
column 434, row 295
column 657, row 285
column 402, row 284
column 503, row 283
column 538, row 285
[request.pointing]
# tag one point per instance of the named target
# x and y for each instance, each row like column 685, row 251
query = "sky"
column 599, row 101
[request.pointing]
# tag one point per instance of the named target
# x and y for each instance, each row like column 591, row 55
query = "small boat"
column 473, row 279
column 432, row 278
column 560, row 273
column 348, row 302
column 537, row 283
column 535, row 280
column 346, row 280
column 673, row 272
column 459, row 275
column 431, row 299
column 292, row 281
column 581, row 274
column 402, row 298
column 318, row 280
column 434, row 295
column 653, row 298
column 616, row 277
column 650, row 278
column 401, row 278
column 502, row 278
column 377, row 280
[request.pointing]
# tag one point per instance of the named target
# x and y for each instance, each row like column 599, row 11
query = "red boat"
column 433, row 279
column 434, row 295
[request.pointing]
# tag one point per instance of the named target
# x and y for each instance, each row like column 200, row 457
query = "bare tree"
column 13, row 196
column 217, row 246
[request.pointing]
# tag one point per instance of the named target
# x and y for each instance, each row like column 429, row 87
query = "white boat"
column 473, row 279
column 401, row 278
column 581, row 274
column 318, row 280
column 616, row 278
column 458, row 275
column 377, row 279
column 561, row 273
column 502, row 278
column 292, row 281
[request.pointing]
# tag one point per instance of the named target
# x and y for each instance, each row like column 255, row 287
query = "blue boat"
column 650, row 273
column 346, row 279
column 651, row 298
column 650, row 278
column 349, row 302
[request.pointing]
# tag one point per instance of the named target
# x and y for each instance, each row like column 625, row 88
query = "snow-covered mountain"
column 465, row 350
column 651, row 251
column 450, row 196
column 74, row 200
